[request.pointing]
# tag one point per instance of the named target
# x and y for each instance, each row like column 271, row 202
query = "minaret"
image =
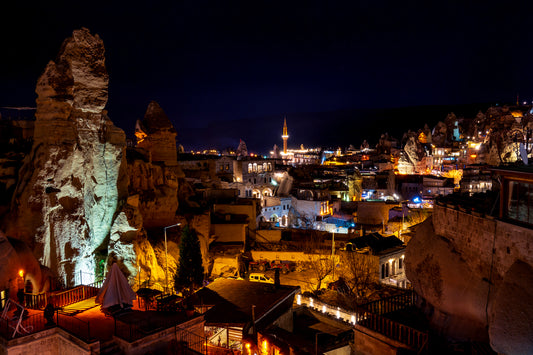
column 285, row 135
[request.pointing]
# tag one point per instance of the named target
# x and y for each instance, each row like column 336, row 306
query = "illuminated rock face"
column 474, row 277
column 71, row 181
column 410, row 157
column 157, row 187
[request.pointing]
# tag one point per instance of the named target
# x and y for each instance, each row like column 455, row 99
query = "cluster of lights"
column 324, row 308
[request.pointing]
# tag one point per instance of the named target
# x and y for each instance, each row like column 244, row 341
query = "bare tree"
column 318, row 256
column 360, row 271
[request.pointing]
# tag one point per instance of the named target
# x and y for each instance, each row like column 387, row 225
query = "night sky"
column 224, row 70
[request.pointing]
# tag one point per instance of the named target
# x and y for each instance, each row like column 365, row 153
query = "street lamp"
column 166, row 254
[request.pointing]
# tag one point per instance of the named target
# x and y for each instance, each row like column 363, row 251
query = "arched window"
column 269, row 167
column 400, row 263
column 255, row 168
column 249, row 168
column 382, row 271
column 393, row 267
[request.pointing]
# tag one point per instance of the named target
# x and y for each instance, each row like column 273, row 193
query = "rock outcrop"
column 71, row 182
column 510, row 326
column 157, row 135
column 474, row 278
column 153, row 170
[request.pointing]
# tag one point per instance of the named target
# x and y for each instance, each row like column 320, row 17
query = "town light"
column 166, row 254
column 299, row 300
column 21, row 273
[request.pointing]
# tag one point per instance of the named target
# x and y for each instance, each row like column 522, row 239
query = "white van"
column 260, row 278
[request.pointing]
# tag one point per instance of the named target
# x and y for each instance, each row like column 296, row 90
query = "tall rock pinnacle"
column 156, row 134
column 71, row 181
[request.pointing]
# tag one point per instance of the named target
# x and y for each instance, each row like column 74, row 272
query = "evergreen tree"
column 190, row 273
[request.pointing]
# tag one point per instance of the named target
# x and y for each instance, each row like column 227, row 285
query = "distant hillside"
column 326, row 129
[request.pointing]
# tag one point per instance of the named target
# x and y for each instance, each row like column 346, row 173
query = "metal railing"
column 14, row 327
column 131, row 332
column 411, row 337
column 391, row 304
column 135, row 331
column 191, row 340
column 74, row 326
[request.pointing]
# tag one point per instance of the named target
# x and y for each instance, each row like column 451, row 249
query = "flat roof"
column 232, row 300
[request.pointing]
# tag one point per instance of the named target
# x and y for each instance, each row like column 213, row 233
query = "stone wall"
column 474, row 237
column 268, row 235
column 230, row 233
column 49, row 342
column 368, row 342
column 163, row 342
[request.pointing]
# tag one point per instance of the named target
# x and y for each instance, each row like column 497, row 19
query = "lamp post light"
column 166, row 254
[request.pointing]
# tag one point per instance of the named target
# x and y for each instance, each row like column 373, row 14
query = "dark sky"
column 250, row 63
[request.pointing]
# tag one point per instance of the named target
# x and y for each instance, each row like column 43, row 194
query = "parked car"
column 260, row 278
column 284, row 265
column 261, row 265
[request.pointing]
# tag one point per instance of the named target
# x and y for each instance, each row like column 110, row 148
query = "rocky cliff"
column 72, row 180
column 153, row 170
column 473, row 274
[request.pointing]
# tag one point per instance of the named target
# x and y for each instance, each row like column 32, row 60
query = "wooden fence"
column 62, row 298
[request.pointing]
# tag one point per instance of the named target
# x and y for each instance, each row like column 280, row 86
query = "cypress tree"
column 190, row 273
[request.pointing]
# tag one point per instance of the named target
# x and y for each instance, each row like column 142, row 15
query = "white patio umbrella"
column 115, row 290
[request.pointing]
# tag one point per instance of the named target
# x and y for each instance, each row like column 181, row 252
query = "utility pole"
column 333, row 256
column 166, row 255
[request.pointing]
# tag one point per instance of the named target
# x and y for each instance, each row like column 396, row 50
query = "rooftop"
column 233, row 300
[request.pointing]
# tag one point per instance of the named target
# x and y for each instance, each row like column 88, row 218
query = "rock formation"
column 242, row 151
column 71, row 182
column 154, row 176
column 411, row 155
column 474, row 277
column 157, row 135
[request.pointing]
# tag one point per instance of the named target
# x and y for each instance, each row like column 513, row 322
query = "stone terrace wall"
column 474, row 237
column 49, row 342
